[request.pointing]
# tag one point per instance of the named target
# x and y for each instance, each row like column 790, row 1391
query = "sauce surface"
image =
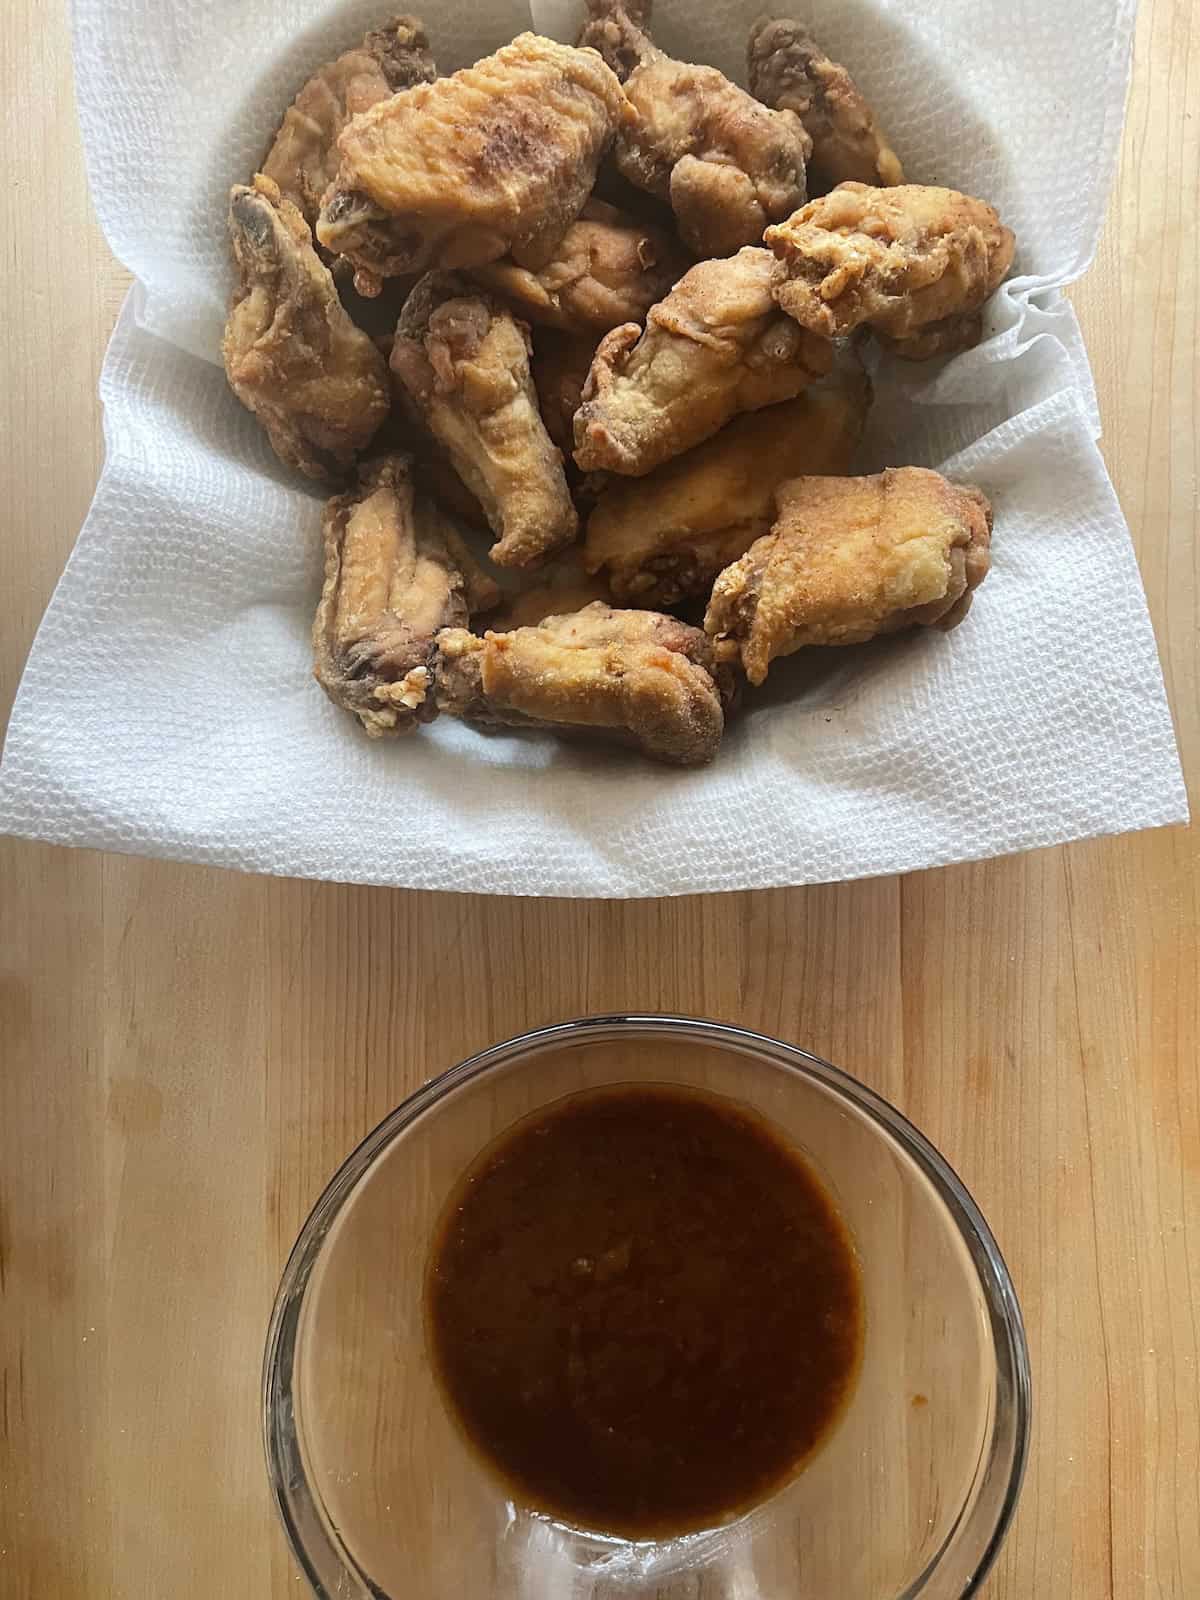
column 644, row 1310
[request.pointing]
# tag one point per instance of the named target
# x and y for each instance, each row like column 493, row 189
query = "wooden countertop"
column 172, row 1099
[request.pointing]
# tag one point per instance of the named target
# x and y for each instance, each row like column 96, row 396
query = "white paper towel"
column 168, row 706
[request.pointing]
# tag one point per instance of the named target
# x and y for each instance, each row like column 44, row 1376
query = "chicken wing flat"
column 850, row 558
column 394, row 576
column 463, row 361
column 633, row 675
column 607, row 269
column 292, row 355
column 497, row 159
column 727, row 164
column 789, row 71
column 914, row 263
column 303, row 160
column 663, row 538
column 715, row 346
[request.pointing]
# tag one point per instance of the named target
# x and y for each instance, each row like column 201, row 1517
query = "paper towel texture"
column 168, row 706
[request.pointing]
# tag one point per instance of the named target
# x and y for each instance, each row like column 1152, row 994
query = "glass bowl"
column 382, row 1497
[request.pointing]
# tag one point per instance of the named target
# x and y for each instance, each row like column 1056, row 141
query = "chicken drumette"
column 717, row 345
column 642, row 678
column 913, row 263
column 727, row 164
column 850, row 558
column 396, row 573
column 790, row 71
column 463, row 361
column 497, row 159
column 316, row 382
column 303, row 159
column 606, row 270
column 663, row 538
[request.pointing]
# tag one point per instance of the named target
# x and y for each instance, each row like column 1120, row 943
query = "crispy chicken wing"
column 663, row 538
column 303, row 159
column 727, row 164
column 293, row 356
column 914, row 263
column 394, row 576
column 715, row 346
column 640, row 677
column 497, row 159
column 790, row 71
column 606, row 270
column 464, row 362
column 849, row 558
column 562, row 588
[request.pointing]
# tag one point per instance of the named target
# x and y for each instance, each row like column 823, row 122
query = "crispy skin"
column 715, row 346
column 393, row 579
column 899, row 260
column 632, row 675
column 497, row 159
column 727, row 164
column 564, row 587
column 789, row 70
column 303, row 158
column 464, row 363
column 850, row 558
column 292, row 355
column 606, row 270
column 663, row 538
column 561, row 363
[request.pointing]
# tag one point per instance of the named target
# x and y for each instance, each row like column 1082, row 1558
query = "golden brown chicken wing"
column 849, row 558
column 394, row 576
column 663, row 538
column 715, row 346
column 293, row 356
column 303, row 159
column 914, row 263
column 790, row 71
column 727, row 164
column 497, row 159
column 564, row 587
column 463, row 361
column 633, row 675
column 606, row 270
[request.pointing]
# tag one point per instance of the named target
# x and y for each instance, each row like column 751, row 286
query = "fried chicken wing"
column 292, row 355
column 633, row 675
column 850, row 558
column 727, row 164
column 715, row 346
column 497, row 159
column 914, row 263
column 789, row 71
column 394, row 576
column 303, row 159
column 564, row 587
column 560, row 365
column 464, row 363
column 663, row 538
column 606, row 270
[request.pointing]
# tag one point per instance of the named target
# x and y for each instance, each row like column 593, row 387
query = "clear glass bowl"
column 912, row 1493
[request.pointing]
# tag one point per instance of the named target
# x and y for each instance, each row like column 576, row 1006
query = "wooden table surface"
column 186, row 1054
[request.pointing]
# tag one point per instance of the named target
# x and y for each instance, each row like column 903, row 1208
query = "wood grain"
column 185, row 1054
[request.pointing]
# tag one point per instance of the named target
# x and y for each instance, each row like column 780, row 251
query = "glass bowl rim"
column 290, row 1486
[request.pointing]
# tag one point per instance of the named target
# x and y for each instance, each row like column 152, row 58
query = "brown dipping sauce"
column 644, row 1310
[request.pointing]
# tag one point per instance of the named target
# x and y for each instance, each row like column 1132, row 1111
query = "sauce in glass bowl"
column 644, row 1310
